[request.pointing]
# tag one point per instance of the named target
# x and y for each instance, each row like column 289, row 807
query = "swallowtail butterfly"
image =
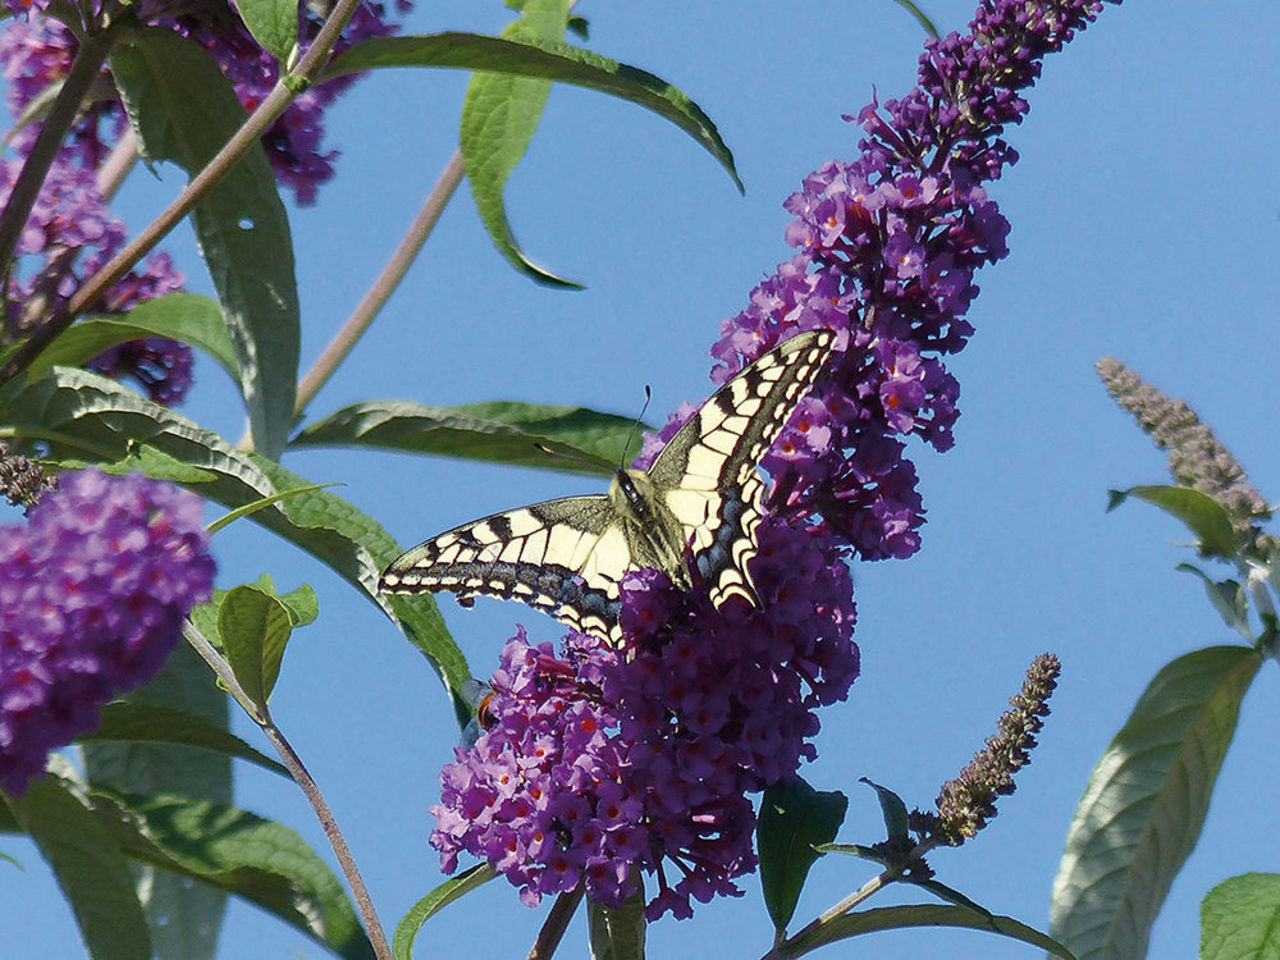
column 698, row 505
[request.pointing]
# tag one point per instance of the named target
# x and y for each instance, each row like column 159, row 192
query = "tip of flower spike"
column 965, row 804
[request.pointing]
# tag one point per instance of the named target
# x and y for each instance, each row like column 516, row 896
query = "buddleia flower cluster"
column 711, row 704
column 94, row 589
column 888, row 245
column 69, row 233
column 604, row 763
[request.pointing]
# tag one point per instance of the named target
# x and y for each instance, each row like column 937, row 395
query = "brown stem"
column 383, row 286
column 119, row 162
column 359, row 892
column 254, row 127
column 84, row 70
column 297, row 769
column 557, row 923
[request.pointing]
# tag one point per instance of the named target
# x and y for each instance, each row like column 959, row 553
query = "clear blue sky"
column 1145, row 224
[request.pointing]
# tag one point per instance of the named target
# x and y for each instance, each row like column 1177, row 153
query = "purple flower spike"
column 93, row 593
column 610, row 761
column 889, row 244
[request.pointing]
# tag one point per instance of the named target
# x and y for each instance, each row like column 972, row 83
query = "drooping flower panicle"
column 93, row 593
column 888, row 247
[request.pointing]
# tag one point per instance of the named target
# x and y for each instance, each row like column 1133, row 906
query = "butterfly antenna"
column 637, row 424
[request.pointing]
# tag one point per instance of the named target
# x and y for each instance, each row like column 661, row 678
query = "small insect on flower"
column 479, row 696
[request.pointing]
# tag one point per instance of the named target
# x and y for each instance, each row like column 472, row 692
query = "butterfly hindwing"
column 562, row 556
column 708, row 471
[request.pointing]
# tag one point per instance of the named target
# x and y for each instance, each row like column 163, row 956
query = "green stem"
column 794, row 946
column 84, row 70
column 382, row 288
column 557, row 922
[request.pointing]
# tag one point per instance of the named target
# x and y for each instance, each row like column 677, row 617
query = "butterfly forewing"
column 708, row 471
column 561, row 556
column 702, row 495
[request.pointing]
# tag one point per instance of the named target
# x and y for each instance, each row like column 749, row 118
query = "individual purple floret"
column 93, row 593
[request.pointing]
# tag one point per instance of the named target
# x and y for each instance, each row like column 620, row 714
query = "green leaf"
column 921, row 17
column 943, row 892
column 204, row 617
column 854, row 850
column 255, row 628
column 917, row 915
column 37, row 107
column 581, row 440
column 435, row 901
column 82, row 413
column 348, row 540
column 555, row 61
column 617, row 933
column 500, row 114
column 302, row 605
column 1227, row 597
column 1205, row 516
column 180, row 703
column 184, row 109
column 8, row 822
column 1145, row 803
column 233, row 850
column 794, row 818
column 189, row 317
column 227, row 519
column 892, row 809
column 89, row 867
column 273, row 23
column 147, row 460
column 300, row 602
column 1240, row 919
column 127, row 722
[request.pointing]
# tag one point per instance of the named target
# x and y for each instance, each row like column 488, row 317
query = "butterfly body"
column 697, row 506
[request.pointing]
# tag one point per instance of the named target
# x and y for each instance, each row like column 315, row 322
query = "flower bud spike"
column 966, row 803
